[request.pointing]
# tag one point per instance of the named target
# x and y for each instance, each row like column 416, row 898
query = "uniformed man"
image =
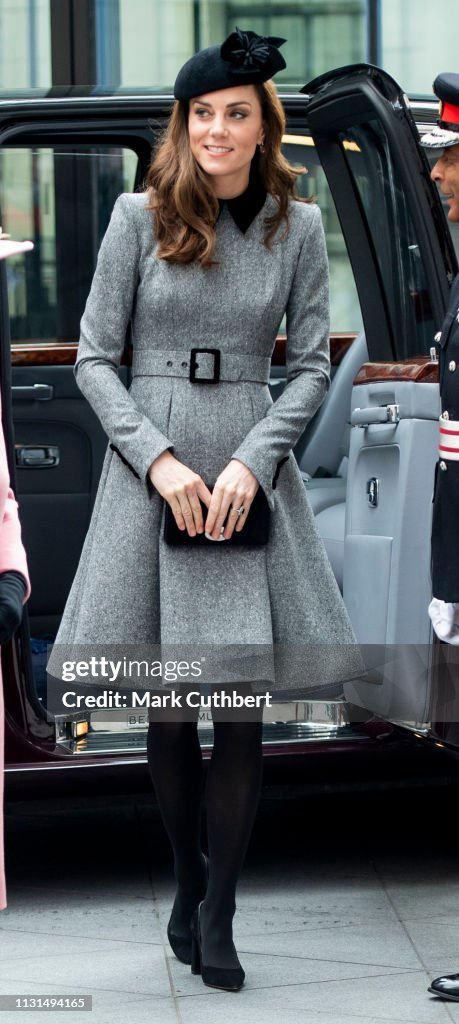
column 444, row 608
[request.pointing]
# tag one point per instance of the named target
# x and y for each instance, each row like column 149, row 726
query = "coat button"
column 443, row 465
column 184, row 364
column 169, row 362
column 452, row 366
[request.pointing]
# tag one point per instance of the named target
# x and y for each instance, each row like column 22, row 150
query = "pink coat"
column 12, row 556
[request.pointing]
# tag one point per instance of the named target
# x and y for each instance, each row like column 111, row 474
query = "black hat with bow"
column 243, row 59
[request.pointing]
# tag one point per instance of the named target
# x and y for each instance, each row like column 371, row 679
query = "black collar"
column 244, row 208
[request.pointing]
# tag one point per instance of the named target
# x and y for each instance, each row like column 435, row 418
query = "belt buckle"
column 215, row 352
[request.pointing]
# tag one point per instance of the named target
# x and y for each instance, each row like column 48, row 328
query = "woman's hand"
column 235, row 487
column 181, row 488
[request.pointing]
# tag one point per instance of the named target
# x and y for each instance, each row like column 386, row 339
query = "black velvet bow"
column 248, row 51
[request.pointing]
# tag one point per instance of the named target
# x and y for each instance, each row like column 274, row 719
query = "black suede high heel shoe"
column 230, row 979
column 180, row 944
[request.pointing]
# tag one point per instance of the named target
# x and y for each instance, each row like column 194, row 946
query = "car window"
column 345, row 312
column 61, row 198
column 397, row 251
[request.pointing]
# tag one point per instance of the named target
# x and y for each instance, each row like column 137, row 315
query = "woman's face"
column 225, row 128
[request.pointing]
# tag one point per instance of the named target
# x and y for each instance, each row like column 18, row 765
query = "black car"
column 367, row 458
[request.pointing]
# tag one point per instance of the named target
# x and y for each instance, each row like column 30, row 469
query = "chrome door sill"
column 303, row 722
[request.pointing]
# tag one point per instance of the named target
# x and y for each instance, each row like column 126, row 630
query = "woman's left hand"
column 236, row 487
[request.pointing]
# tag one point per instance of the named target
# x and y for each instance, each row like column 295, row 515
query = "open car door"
column 403, row 261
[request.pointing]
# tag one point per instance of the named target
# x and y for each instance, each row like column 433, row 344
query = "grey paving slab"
column 437, row 965
column 379, row 996
column 351, row 939
column 435, row 940
column 278, row 912
column 133, row 1011
column 381, row 943
column 239, row 1016
column 426, row 899
column 119, row 1008
column 451, row 1008
column 282, row 920
column 311, row 912
column 138, row 974
column 322, row 894
column 18, row 945
column 267, row 971
column 104, row 916
column 295, row 1004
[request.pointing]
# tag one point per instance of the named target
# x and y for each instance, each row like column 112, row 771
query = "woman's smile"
column 225, row 127
column 218, row 150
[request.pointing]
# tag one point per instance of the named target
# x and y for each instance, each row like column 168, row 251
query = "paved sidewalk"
column 344, row 929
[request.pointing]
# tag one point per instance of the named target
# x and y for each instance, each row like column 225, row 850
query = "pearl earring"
column 262, row 148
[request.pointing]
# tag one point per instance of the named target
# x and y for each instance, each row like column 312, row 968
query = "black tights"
column 232, row 795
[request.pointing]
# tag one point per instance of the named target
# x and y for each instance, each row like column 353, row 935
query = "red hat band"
column 449, row 116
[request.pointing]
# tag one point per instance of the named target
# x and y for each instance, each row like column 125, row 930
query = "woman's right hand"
column 181, row 488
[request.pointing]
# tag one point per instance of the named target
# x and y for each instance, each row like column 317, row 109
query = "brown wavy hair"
column 185, row 207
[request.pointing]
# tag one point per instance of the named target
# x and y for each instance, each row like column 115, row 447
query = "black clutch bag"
column 254, row 533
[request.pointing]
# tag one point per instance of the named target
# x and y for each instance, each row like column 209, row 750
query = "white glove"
column 445, row 620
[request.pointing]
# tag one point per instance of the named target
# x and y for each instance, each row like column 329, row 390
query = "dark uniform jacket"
column 445, row 545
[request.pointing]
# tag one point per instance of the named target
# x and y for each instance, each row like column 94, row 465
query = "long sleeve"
column 12, row 553
column 103, row 333
column 308, row 363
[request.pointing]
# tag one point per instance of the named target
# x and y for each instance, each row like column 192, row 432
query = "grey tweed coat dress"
column 130, row 586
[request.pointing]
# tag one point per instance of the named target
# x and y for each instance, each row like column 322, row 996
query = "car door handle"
column 37, row 392
column 375, row 414
column 37, row 456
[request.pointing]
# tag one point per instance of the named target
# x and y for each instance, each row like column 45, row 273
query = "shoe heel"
column 195, row 956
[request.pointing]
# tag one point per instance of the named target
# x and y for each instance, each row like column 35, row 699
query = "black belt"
column 201, row 365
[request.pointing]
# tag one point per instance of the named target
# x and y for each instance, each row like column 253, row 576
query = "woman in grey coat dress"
column 212, row 254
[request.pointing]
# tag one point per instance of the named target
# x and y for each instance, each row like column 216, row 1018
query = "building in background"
column 138, row 43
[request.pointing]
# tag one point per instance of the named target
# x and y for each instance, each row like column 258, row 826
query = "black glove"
column 12, row 589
